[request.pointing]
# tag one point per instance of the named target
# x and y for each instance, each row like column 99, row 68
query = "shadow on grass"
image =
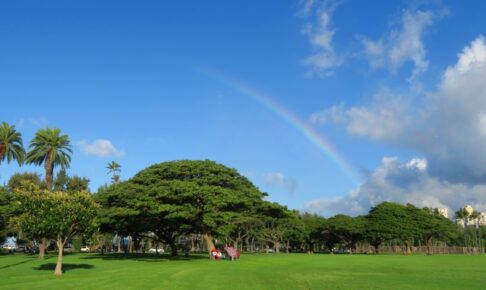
column 65, row 267
column 145, row 257
column 19, row 263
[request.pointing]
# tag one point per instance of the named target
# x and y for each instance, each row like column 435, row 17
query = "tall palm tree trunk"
column 49, row 172
column 3, row 150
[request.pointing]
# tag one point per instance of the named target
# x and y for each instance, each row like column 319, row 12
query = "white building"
column 469, row 221
column 443, row 212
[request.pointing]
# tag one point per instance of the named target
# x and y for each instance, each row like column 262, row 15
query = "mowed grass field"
column 259, row 271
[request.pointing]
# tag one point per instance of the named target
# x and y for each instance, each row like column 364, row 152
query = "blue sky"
column 130, row 81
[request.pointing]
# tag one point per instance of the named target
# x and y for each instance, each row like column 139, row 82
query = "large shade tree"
column 197, row 196
column 11, row 146
column 346, row 230
column 390, row 221
column 313, row 230
column 275, row 219
column 432, row 226
column 51, row 149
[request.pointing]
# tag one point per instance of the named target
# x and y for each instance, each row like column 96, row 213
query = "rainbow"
column 293, row 120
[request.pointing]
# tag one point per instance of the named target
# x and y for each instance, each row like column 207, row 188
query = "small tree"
column 56, row 215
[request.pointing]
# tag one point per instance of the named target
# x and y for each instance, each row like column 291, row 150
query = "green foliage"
column 388, row 221
column 5, row 212
column 55, row 215
column 178, row 197
column 11, row 146
column 19, row 181
column 313, row 230
column 77, row 243
column 61, row 180
column 275, row 218
column 66, row 183
column 344, row 229
column 430, row 225
column 77, row 183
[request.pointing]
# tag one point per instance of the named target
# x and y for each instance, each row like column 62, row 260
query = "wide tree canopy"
column 197, row 196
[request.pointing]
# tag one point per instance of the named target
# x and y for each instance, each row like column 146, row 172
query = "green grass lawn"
column 265, row 271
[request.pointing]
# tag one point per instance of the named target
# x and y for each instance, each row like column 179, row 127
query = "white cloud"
column 279, row 179
column 448, row 129
column 306, row 7
column 100, row 148
column 34, row 122
column 334, row 114
column 447, row 126
column 402, row 44
column 320, row 35
column 403, row 183
column 382, row 119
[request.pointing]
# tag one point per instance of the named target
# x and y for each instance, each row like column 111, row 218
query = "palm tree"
column 463, row 216
column 113, row 168
column 11, row 146
column 50, row 148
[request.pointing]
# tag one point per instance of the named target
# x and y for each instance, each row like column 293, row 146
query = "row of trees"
column 172, row 200
column 180, row 198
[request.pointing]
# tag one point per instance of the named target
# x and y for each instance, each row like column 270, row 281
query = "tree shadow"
column 65, row 267
column 145, row 257
column 19, row 263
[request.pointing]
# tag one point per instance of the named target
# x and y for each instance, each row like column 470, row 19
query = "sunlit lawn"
column 264, row 271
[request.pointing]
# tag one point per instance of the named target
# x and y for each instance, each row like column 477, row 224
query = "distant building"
column 443, row 212
column 470, row 221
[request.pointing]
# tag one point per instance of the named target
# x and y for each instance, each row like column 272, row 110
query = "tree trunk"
column 3, row 149
column 310, row 249
column 49, row 170
column 287, row 246
column 252, row 245
column 42, row 249
column 429, row 247
column 130, row 245
column 173, row 248
column 409, row 251
column 209, row 243
column 277, row 247
column 193, row 248
column 119, row 244
column 60, row 248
